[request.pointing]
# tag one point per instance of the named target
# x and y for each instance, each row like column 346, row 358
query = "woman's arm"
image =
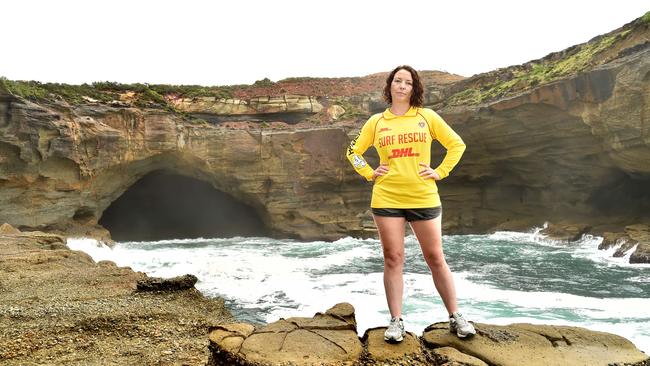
column 450, row 140
column 358, row 146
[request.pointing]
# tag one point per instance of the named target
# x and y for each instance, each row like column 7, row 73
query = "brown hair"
column 417, row 97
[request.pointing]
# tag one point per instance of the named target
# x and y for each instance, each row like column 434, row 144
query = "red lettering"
column 386, row 140
column 403, row 152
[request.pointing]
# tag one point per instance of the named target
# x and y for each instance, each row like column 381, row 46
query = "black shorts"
column 410, row 214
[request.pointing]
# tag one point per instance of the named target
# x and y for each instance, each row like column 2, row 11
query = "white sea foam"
column 585, row 247
column 96, row 249
column 514, row 236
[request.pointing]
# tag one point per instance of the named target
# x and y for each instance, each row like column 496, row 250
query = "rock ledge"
column 331, row 339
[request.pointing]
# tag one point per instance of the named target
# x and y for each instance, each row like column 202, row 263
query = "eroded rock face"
column 634, row 236
column 65, row 168
column 576, row 149
column 262, row 107
column 326, row 339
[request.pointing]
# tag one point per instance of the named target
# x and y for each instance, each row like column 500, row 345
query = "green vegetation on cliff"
column 140, row 95
column 646, row 18
column 555, row 66
column 352, row 111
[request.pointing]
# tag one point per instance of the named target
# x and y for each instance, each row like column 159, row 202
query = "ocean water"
column 502, row 278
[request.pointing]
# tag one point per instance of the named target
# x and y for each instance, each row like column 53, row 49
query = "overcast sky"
column 238, row 42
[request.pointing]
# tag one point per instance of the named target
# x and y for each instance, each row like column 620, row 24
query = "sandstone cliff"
column 562, row 138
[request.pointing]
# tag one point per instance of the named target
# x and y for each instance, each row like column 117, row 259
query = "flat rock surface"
column 543, row 345
column 323, row 339
column 59, row 307
column 381, row 351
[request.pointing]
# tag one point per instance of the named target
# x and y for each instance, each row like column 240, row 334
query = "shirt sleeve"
column 455, row 146
column 358, row 146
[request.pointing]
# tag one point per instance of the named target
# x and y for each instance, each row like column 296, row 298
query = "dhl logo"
column 402, row 153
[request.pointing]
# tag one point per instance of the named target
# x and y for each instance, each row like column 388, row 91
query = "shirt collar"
column 413, row 111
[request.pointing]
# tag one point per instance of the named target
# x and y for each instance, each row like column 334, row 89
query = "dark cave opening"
column 624, row 195
column 165, row 205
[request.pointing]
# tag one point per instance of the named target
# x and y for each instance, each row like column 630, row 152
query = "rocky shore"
column 330, row 338
column 59, row 307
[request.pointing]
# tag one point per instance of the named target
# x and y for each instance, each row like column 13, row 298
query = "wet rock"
column 167, row 284
column 641, row 234
column 612, row 239
column 543, row 345
column 566, row 232
column 634, row 235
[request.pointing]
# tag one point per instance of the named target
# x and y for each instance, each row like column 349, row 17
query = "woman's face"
column 401, row 88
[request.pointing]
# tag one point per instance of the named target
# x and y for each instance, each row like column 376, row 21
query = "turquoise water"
column 501, row 278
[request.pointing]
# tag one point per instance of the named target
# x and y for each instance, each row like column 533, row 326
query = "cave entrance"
column 165, row 205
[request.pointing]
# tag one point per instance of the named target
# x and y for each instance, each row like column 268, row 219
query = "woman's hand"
column 382, row 169
column 428, row 173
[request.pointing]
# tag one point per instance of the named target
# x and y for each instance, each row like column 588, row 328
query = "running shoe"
column 395, row 331
column 460, row 326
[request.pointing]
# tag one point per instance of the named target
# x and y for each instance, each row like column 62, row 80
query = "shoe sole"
column 460, row 335
column 393, row 340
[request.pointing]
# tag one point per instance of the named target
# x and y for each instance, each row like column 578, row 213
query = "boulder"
column 612, row 239
column 543, row 345
column 7, row 229
column 637, row 235
column 381, row 351
column 323, row 339
column 565, row 232
column 167, row 284
column 335, row 111
column 641, row 234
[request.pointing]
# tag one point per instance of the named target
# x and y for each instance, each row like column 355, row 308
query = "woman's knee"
column 393, row 260
column 435, row 260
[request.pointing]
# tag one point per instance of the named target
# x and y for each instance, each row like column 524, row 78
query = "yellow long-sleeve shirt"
column 403, row 142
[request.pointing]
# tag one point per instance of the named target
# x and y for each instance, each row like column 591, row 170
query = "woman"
column 405, row 190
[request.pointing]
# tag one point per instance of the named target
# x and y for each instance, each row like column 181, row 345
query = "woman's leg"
column 429, row 234
column 391, row 234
